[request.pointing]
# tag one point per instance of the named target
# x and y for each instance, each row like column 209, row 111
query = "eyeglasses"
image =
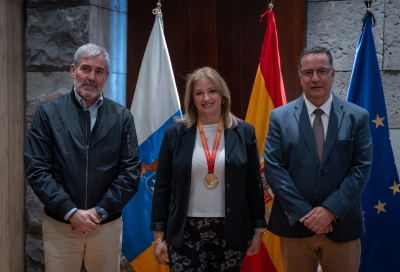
column 321, row 72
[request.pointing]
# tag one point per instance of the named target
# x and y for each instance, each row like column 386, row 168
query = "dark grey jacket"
column 300, row 182
column 68, row 166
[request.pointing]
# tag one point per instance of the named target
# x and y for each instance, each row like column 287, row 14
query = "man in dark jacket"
column 82, row 161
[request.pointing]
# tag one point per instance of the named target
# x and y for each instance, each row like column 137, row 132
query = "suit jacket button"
column 319, row 174
column 228, row 210
column 228, row 185
column 315, row 196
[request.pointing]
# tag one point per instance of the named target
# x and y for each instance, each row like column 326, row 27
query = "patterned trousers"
column 204, row 248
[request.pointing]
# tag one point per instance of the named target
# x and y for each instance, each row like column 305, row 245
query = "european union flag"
column 380, row 245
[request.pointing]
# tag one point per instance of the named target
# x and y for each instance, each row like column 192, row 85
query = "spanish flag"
column 268, row 93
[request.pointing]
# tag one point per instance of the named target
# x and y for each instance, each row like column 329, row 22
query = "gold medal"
column 211, row 181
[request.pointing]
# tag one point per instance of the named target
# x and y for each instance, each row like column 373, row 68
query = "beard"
column 87, row 89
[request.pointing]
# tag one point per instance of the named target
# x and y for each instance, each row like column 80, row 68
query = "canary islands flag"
column 154, row 106
column 268, row 93
column 380, row 245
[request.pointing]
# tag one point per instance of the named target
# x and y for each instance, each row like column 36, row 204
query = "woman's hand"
column 160, row 250
column 254, row 244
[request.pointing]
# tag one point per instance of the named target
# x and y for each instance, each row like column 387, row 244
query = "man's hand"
column 93, row 211
column 84, row 221
column 329, row 228
column 319, row 220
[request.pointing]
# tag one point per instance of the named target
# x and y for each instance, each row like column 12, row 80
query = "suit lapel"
column 303, row 120
column 230, row 139
column 188, row 139
column 335, row 120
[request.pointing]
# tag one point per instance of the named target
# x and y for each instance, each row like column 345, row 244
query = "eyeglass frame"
column 316, row 70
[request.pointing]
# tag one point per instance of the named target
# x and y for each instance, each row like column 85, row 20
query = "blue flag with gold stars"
column 380, row 245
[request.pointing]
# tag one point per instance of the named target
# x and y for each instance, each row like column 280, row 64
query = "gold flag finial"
column 271, row 5
column 368, row 4
column 159, row 5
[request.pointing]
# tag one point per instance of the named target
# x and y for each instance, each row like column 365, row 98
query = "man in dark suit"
column 318, row 154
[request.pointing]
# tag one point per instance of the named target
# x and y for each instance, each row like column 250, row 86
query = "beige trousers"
column 64, row 250
column 304, row 254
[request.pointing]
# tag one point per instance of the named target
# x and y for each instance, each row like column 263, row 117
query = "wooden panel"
column 225, row 35
column 190, row 33
column 251, row 39
column 290, row 24
column 202, row 33
column 176, row 29
column 4, row 184
column 140, row 23
column 228, row 47
column 12, row 126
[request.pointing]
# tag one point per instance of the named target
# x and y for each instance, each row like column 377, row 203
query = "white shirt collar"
column 326, row 107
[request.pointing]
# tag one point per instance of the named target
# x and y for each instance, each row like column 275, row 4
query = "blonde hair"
column 191, row 115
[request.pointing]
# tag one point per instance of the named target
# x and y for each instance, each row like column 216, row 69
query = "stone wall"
column 337, row 25
column 54, row 30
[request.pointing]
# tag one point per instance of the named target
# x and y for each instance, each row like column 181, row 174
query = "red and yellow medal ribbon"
column 210, row 159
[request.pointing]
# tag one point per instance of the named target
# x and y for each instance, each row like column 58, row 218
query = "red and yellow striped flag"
column 268, row 93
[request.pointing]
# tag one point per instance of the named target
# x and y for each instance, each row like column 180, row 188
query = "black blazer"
column 244, row 201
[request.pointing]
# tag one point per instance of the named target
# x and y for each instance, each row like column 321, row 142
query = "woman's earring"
column 223, row 101
column 194, row 107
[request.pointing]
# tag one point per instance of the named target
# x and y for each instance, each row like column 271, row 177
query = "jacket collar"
column 75, row 101
column 78, row 106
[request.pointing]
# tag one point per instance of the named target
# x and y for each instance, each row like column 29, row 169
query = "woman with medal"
column 208, row 205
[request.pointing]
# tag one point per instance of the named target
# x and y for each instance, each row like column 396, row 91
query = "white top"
column 204, row 202
column 326, row 107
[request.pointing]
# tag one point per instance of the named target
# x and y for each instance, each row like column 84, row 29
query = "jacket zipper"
column 87, row 159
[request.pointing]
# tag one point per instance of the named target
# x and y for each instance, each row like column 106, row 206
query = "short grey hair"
column 91, row 50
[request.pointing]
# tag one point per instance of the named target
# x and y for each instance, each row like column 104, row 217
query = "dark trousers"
column 204, row 248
